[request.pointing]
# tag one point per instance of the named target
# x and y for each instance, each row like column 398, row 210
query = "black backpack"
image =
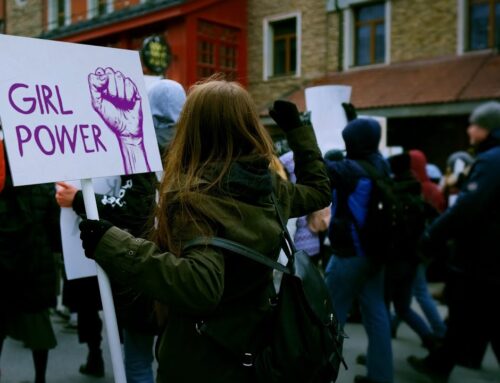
column 416, row 213
column 385, row 219
column 305, row 341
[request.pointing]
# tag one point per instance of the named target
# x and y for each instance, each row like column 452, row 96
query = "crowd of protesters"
column 217, row 181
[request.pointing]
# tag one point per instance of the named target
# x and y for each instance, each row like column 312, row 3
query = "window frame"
column 349, row 32
column 52, row 14
column 268, row 45
column 464, row 26
column 93, row 8
column 218, row 49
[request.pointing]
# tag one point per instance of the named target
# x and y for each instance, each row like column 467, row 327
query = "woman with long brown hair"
column 217, row 182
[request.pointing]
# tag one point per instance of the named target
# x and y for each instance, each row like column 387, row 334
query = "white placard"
column 76, row 264
column 327, row 115
column 73, row 111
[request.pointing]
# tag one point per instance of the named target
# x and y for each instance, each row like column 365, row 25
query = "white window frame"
column 462, row 29
column 92, row 8
column 52, row 14
column 349, row 33
column 268, row 43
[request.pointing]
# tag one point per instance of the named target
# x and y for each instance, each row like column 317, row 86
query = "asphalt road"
column 17, row 367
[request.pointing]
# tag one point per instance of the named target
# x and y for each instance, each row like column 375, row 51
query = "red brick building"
column 204, row 36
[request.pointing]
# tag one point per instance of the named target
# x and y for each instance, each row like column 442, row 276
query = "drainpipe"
column 340, row 52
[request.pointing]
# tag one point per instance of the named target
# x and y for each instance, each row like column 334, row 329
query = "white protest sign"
column 327, row 115
column 84, row 113
column 76, row 264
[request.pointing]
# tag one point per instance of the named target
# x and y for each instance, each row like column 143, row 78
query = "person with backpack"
column 472, row 224
column 217, row 182
column 402, row 270
column 29, row 239
column 355, row 270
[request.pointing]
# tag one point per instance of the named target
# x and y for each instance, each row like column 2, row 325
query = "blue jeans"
column 352, row 277
column 138, row 350
column 400, row 276
column 427, row 303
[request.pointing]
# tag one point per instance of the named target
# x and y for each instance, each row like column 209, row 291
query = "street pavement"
column 17, row 367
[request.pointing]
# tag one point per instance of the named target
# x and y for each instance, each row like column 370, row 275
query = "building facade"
column 423, row 64
column 200, row 37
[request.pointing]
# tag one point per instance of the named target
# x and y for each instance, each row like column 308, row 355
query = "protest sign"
column 82, row 112
column 76, row 265
column 72, row 112
column 327, row 115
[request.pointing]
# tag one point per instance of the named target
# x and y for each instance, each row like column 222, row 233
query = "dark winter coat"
column 473, row 222
column 351, row 186
column 29, row 236
column 206, row 282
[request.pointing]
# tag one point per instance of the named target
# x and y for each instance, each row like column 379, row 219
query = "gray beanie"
column 486, row 115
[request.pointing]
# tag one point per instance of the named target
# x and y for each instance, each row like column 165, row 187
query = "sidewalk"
column 17, row 367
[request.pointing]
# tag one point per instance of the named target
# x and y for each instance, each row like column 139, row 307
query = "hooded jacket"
column 430, row 191
column 166, row 99
column 207, row 282
column 351, row 186
column 473, row 222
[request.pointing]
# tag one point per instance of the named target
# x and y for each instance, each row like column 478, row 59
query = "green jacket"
column 227, row 291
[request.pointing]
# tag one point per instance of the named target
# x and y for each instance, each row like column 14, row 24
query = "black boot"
column 431, row 342
column 95, row 363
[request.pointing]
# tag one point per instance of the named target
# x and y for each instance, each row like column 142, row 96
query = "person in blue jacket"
column 473, row 225
column 350, row 273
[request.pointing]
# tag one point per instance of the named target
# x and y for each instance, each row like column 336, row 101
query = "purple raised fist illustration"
column 117, row 101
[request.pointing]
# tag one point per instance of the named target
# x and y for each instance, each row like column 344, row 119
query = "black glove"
column 286, row 115
column 91, row 232
column 350, row 111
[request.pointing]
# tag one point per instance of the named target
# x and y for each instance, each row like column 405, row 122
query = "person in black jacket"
column 473, row 224
column 29, row 237
column 131, row 210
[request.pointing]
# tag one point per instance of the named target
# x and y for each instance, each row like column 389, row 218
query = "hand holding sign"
column 117, row 101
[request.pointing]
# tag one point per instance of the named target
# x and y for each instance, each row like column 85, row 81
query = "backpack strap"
column 237, row 248
column 287, row 245
column 369, row 169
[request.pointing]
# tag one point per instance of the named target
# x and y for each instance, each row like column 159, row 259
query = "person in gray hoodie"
column 131, row 210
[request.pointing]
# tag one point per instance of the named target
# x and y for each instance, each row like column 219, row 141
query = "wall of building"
column 422, row 29
column 315, row 46
column 24, row 20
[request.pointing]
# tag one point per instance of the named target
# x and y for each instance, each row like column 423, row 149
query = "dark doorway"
column 437, row 137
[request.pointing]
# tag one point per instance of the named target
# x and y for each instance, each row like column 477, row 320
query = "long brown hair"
column 218, row 124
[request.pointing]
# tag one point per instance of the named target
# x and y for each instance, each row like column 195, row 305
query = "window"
column 282, row 46
column 484, row 24
column 59, row 13
column 217, row 50
column 96, row 8
column 369, row 32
